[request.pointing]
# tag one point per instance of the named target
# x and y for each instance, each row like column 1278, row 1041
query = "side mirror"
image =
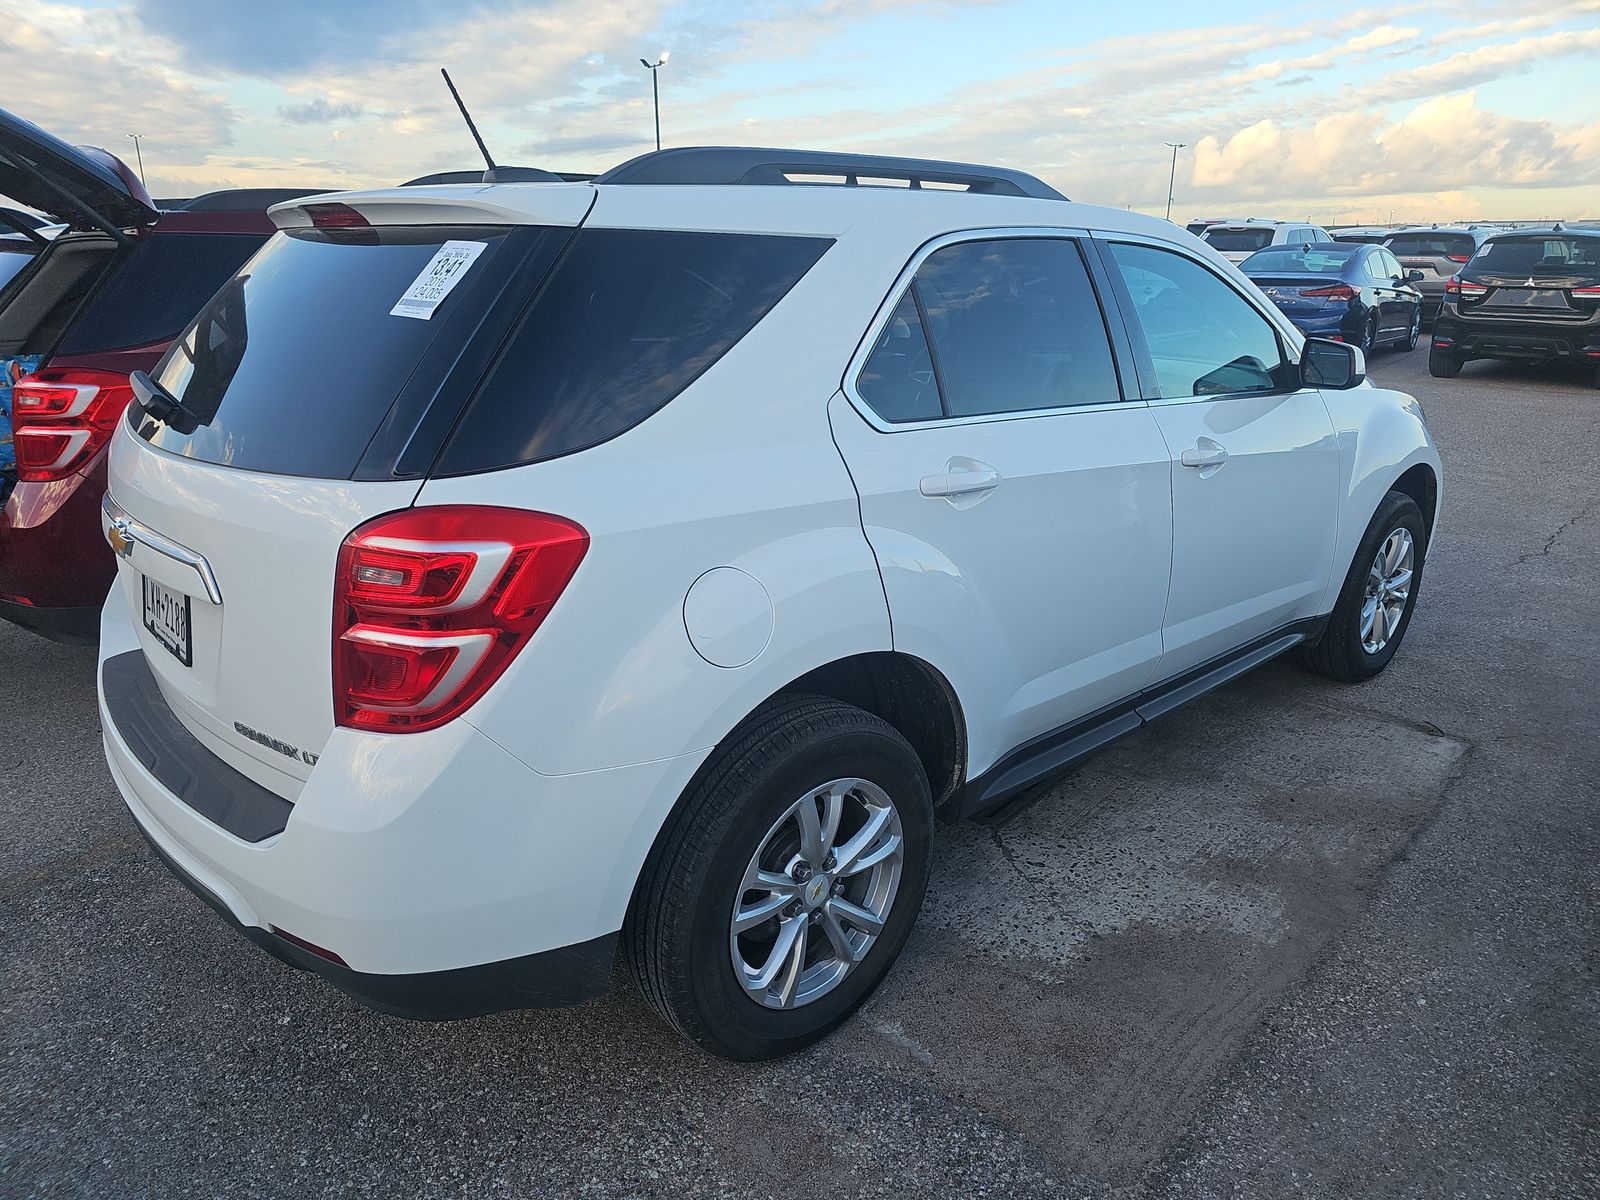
column 1333, row 365
column 1413, row 276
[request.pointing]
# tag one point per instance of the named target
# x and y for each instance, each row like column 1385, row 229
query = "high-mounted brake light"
column 62, row 416
column 336, row 216
column 431, row 605
column 1457, row 286
column 1338, row 291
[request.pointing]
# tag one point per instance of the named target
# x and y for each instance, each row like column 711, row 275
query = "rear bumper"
column 52, row 553
column 1503, row 338
column 72, row 626
column 437, row 874
column 1343, row 323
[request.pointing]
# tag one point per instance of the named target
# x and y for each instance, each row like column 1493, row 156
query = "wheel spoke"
column 795, row 965
column 750, row 915
column 1380, row 626
column 832, row 810
column 1369, row 610
column 757, row 879
column 837, row 936
column 883, row 852
column 788, row 932
column 1400, row 581
column 877, row 821
column 811, row 847
column 855, row 915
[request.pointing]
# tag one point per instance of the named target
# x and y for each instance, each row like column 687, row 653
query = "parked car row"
column 1526, row 294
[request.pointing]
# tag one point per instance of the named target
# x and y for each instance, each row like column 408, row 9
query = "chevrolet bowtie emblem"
column 119, row 534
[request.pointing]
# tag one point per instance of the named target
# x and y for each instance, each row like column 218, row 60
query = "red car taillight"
column 62, row 416
column 1459, row 258
column 1457, row 286
column 1339, row 291
column 430, row 605
column 1586, row 293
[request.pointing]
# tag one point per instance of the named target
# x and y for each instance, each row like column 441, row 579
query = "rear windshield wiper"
column 161, row 405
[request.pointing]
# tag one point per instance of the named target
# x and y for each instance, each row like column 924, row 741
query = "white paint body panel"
column 737, row 538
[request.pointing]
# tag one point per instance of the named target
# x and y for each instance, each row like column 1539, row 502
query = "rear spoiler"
column 562, row 204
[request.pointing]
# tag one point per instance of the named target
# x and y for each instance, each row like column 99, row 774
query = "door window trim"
column 1122, row 359
column 1291, row 342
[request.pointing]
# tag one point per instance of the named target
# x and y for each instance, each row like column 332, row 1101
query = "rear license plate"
column 1528, row 298
column 166, row 615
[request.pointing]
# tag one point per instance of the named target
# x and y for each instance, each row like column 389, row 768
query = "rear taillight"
column 1457, row 286
column 1458, row 258
column 430, row 605
column 1586, row 293
column 1340, row 291
column 62, row 416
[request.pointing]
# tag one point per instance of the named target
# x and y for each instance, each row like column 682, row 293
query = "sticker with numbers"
column 441, row 274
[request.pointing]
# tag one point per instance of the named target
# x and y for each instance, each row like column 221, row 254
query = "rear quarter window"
column 627, row 320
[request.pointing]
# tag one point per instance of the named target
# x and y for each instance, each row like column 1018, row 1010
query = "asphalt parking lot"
column 1294, row 940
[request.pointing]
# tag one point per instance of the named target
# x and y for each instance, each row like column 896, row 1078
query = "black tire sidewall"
column 740, row 1026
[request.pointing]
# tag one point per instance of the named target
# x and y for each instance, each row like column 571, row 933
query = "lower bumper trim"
column 70, row 626
column 550, row 979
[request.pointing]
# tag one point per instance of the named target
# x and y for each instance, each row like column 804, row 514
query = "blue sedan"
column 1341, row 290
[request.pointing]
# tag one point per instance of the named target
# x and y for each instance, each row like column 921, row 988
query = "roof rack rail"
column 755, row 165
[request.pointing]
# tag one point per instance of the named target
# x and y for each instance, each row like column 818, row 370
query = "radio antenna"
column 488, row 176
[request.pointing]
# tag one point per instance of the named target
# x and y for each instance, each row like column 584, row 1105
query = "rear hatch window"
column 1233, row 240
column 11, row 264
column 293, row 366
column 40, row 303
column 1539, row 255
column 1432, row 245
column 163, row 283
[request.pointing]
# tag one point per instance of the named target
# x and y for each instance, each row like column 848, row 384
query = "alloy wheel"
column 816, row 893
column 1388, row 589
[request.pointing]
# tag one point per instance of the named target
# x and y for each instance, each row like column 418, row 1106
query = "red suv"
column 103, row 299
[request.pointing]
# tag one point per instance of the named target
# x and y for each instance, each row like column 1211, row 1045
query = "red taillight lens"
column 1338, row 291
column 336, row 216
column 1586, row 293
column 431, row 605
column 62, row 416
column 1460, row 258
column 1457, row 286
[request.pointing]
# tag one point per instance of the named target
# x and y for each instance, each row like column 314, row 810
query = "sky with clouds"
column 1442, row 109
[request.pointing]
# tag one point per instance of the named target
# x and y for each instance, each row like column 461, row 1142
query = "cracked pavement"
column 1295, row 939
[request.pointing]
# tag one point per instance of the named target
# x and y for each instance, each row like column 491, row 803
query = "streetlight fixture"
column 138, row 154
column 1173, row 175
column 655, row 87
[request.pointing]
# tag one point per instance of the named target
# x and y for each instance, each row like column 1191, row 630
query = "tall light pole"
column 138, row 154
column 1173, row 176
column 655, row 87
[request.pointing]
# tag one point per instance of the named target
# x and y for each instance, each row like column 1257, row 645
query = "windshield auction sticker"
column 441, row 274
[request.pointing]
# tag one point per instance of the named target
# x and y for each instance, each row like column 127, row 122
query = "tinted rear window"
column 1548, row 255
column 294, row 364
column 627, row 320
column 158, row 290
column 1300, row 260
column 1431, row 245
column 1238, row 239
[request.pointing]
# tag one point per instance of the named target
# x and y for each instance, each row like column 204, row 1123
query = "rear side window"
column 626, row 321
column 11, row 264
column 1234, row 240
column 1432, row 245
column 294, row 364
column 158, row 290
column 40, row 303
column 1015, row 326
column 1203, row 338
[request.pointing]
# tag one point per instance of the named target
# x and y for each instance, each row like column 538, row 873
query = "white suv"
column 515, row 576
column 1238, row 240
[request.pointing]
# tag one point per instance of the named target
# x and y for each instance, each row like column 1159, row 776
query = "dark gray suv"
column 1438, row 251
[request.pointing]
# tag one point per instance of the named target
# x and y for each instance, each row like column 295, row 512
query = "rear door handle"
column 960, row 477
column 1204, row 453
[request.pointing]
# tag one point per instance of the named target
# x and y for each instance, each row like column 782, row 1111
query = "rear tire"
column 1370, row 619
column 738, row 843
column 1369, row 336
column 1442, row 365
